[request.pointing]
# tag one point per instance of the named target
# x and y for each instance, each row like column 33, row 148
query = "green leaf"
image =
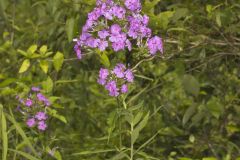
column 54, row 113
column 196, row 119
column 209, row 8
column 191, row 138
column 215, row 107
column 134, row 136
column 47, row 54
column 57, row 155
column 140, row 126
column 5, row 47
column 24, row 154
column 44, row 65
column 191, row 85
column 61, row 118
column 4, row 134
column 43, row 49
column 70, row 28
column 143, row 123
column 129, row 118
column 111, row 123
column 7, row 91
column 54, row 153
column 7, row 82
column 149, row 5
column 23, row 53
column 34, row 55
column 3, row 5
column 180, row 13
column 184, row 158
column 137, row 118
column 209, row 158
column 32, row 49
column 58, row 60
column 164, row 19
column 47, row 85
column 25, row 65
column 188, row 114
column 104, row 58
column 20, row 145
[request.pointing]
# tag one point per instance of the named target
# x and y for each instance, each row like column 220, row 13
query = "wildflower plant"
column 117, row 26
column 34, row 108
column 113, row 27
column 141, row 101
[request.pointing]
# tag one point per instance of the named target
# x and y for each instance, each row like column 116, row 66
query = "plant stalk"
column 132, row 149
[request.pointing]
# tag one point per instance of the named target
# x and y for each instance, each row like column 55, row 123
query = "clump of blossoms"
column 34, row 109
column 115, row 25
column 116, row 81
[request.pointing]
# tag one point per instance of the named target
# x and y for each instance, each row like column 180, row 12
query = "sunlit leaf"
column 23, row 53
column 43, row 49
column 25, row 65
column 184, row 158
column 32, row 48
column 44, row 65
column 57, row 155
column 58, row 60
column 209, row 158
column 191, row 138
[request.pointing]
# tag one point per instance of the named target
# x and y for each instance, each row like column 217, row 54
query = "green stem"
column 120, row 125
column 132, row 149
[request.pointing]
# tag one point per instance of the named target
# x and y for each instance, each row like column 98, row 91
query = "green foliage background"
column 184, row 105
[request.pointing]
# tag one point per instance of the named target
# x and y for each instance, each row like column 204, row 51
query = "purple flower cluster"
column 133, row 5
column 154, row 45
column 34, row 107
column 127, row 25
column 115, row 81
column 39, row 120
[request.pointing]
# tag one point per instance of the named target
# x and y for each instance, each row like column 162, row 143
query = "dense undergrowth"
column 183, row 104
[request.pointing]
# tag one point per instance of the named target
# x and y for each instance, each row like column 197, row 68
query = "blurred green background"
column 192, row 93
